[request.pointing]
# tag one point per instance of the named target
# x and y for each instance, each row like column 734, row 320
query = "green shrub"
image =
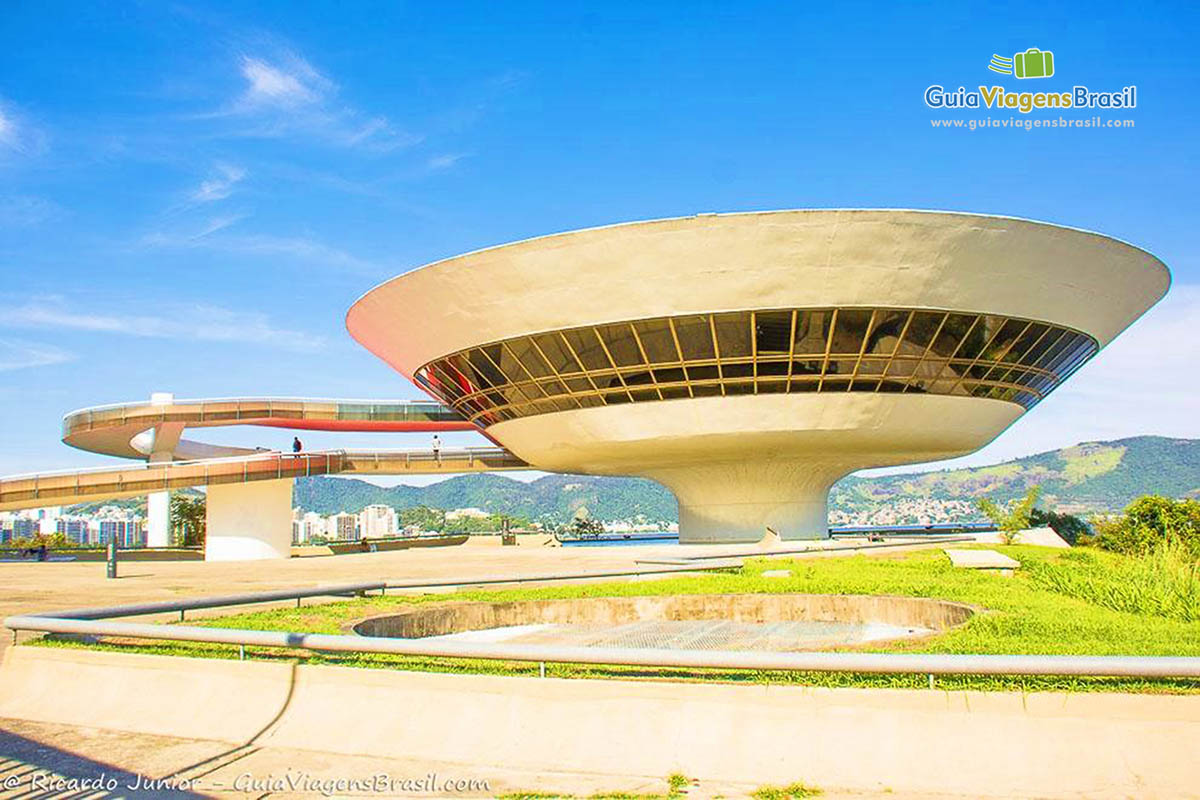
column 793, row 791
column 677, row 782
column 1150, row 521
column 1164, row 582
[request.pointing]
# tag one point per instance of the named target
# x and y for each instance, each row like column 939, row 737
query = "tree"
column 583, row 526
column 1071, row 528
column 1014, row 517
column 1150, row 522
column 188, row 520
column 424, row 517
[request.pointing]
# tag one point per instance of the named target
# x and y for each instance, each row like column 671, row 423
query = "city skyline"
column 225, row 174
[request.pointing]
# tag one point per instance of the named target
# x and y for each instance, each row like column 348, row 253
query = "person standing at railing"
column 437, row 449
column 296, row 445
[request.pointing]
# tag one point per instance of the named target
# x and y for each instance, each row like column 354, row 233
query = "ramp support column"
column 158, row 509
column 249, row 521
column 163, row 441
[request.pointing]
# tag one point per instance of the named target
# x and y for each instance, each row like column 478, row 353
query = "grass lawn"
column 1028, row 613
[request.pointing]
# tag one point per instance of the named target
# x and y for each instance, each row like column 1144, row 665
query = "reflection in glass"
column 770, row 351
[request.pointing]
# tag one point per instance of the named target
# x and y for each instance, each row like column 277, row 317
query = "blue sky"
column 192, row 194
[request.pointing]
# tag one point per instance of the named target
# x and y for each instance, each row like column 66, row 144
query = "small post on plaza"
column 112, row 556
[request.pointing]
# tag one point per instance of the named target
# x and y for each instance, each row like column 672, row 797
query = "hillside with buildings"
column 1087, row 478
column 552, row 499
column 1092, row 477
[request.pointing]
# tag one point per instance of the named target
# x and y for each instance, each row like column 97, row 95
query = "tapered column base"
column 743, row 502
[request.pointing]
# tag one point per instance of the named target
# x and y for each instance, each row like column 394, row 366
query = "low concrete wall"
column 437, row 620
column 135, row 554
column 522, row 539
column 922, row 742
column 379, row 545
column 1045, row 537
column 230, row 701
column 310, row 550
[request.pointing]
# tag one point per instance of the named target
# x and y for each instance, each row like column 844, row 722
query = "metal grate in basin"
column 712, row 635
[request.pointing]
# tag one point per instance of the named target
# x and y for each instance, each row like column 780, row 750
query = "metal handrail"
column 254, row 399
column 447, row 454
column 876, row 663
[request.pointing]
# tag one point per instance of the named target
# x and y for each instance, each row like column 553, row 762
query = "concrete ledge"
column 228, row 701
column 924, row 612
column 925, row 742
column 1043, row 537
column 522, row 540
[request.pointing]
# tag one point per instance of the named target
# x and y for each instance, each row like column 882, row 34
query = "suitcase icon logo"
column 1033, row 63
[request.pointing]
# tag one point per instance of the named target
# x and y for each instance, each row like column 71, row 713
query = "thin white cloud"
column 210, row 236
column 21, row 354
column 8, row 130
column 18, row 136
column 24, row 211
column 298, row 247
column 185, row 321
column 445, row 161
column 220, row 185
column 286, row 96
column 215, row 224
column 1145, row 382
column 285, row 85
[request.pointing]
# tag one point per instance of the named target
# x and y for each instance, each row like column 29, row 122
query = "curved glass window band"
column 769, row 351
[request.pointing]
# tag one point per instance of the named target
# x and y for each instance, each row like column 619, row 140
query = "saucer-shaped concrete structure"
column 749, row 361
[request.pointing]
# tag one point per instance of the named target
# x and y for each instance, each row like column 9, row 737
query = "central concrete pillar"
column 249, row 521
column 738, row 502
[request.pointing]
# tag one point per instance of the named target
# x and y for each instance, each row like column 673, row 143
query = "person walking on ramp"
column 437, row 449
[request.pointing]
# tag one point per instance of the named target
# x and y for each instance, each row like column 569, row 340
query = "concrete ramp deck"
column 110, row 483
column 151, row 431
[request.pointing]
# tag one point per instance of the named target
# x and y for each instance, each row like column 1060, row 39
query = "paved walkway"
column 39, row 760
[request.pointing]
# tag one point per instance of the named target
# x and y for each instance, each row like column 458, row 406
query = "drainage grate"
column 709, row 635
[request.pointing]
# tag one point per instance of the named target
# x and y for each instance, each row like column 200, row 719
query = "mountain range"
column 1086, row 478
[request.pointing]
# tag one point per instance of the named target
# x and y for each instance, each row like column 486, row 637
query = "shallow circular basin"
column 766, row 622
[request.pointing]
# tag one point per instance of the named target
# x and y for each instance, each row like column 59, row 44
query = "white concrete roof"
column 779, row 259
